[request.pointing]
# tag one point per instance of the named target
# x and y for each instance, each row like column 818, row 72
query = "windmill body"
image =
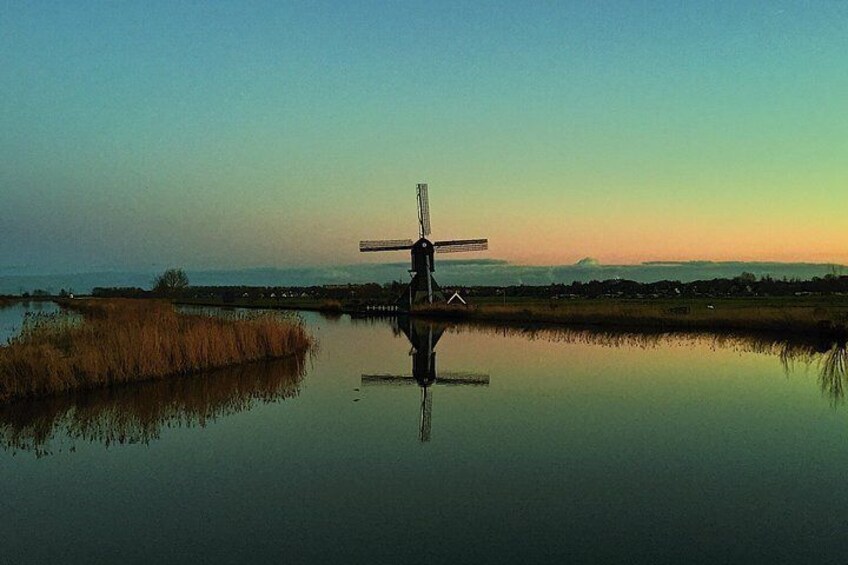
column 423, row 288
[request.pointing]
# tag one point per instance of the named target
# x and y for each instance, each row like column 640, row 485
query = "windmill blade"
column 461, row 245
column 468, row 379
column 423, row 210
column 425, row 422
column 385, row 245
column 448, row 379
column 388, row 380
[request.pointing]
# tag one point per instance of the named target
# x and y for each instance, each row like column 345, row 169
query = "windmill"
column 423, row 337
column 423, row 287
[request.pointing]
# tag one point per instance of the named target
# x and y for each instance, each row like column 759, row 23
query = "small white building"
column 457, row 299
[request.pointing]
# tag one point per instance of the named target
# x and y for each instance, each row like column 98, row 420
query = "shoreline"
column 120, row 340
column 818, row 317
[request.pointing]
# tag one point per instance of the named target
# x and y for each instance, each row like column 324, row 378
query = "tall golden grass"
column 119, row 341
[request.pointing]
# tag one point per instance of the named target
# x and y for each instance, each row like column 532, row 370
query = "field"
column 792, row 314
column 797, row 315
column 109, row 342
column 313, row 304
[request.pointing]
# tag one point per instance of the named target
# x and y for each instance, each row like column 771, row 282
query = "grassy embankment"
column 311, row 304
column 119, row 341
column 795, row 315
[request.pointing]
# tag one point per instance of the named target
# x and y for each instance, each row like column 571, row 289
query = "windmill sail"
column 422, row 288
column 461, row 245
column 423, row 210
column 385, row 245
column 448, row 379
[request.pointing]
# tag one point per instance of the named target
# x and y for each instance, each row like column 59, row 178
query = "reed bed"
column 119, row 341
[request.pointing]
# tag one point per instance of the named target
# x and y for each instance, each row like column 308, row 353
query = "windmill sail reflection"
column 423, row 337
column 138, row 413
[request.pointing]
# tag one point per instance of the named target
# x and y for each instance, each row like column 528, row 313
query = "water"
column 12, row 316
column 543, row 446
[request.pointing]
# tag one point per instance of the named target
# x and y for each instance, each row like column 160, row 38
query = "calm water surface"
column 12, row 317
column 531, row 447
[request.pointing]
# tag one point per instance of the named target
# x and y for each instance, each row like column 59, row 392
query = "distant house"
column 457, row 299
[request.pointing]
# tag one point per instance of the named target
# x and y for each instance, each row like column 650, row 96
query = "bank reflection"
column 138, row 413
column 829, row 358
column 423, row 336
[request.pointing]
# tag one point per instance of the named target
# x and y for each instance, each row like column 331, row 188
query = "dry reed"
column 119, row 341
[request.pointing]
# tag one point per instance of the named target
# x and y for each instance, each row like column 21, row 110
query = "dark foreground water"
column 530, row 447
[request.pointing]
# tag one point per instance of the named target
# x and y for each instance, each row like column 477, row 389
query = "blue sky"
column 244, row 134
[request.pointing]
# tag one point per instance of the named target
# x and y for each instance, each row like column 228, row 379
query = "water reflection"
column 138, row 413
column 829, row 357
column 423, row 337
column 13, row 317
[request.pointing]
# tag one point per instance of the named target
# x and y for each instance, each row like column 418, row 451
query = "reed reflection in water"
column 137, row 413
column 829, row 357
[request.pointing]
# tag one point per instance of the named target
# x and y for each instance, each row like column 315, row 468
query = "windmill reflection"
column 423, row 337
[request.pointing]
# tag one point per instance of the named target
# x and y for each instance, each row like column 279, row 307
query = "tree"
column 170, row 282
column 747, row 277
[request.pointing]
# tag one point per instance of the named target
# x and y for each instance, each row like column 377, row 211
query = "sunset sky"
column 228, row 135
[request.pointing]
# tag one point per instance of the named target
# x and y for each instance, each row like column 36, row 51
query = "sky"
column 278, row 134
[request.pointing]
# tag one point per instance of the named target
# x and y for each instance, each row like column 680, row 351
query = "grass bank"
column 307, row 304
column 117, row 341
column 827, row 316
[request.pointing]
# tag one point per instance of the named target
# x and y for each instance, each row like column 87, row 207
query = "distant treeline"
column 745, row 285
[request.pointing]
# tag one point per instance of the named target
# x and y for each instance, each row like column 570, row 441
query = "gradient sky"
column 225, row 135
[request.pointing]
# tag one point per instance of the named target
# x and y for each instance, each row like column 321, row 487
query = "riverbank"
column 110, row 342
column 307, row 304
column 822, row 316
column 802, row 315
